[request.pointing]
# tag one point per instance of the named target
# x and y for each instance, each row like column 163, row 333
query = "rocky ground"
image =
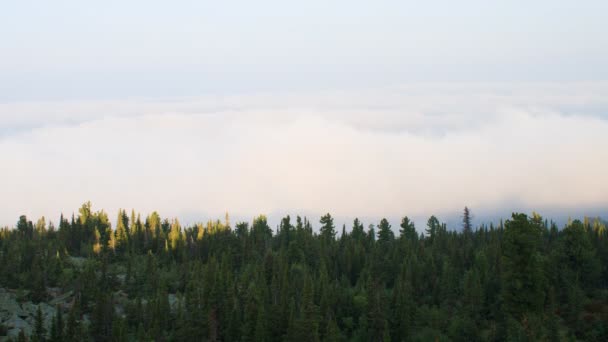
column 17, row 315
column 18, row 312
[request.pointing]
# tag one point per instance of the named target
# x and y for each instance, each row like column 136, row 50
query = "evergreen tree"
column 39, row 330
column 408, row 230
column 73, row 327
column 327, row 231
column 522, row 292
column 57, row 327
column 122, row 232
column 175, row 236
column 522, row 280
column 466, row 221
column 358, row 232
column 432, row 228
column 385, row 234
column 333, row 333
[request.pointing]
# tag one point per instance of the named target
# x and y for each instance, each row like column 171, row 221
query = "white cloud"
column 412, row 150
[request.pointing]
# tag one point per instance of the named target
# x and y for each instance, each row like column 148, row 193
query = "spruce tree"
column 522, row 274
column 385, row 234
column 57, row 327
column 327, row 231
column 408, row 230
column 466, row 221
column 39, row 330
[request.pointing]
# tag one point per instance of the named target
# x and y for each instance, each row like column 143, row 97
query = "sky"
column 357, row 108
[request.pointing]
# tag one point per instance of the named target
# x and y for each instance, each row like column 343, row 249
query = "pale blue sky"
column 116, row 49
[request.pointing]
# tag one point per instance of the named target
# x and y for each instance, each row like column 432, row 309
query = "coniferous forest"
column 140, row 278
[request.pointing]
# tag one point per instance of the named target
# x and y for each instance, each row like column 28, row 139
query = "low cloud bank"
column 415, row 150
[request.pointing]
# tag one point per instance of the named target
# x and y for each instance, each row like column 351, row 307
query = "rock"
column 9, row 306
column 121, row 278
column 64, row 300
column 15, row 324
column 16, row 317
column 53, row 292
column 173, row 302
column 77, row 262
column 48, row 312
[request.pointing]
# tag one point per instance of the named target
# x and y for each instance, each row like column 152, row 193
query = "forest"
column 152, row 279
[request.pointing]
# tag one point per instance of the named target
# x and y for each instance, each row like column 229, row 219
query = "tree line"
column 149, row 278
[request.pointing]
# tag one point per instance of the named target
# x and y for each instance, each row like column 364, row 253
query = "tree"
column 473, row 294
column 328, row 231
column 261, row 325
column 73, row 328
column 122, row 232
column 285, row 231
column 577, row 259
column 261, row 233
column 333, row 333
column 432, row 227
column 404, row 303
column 522, row 275
column 522, row 280
column 242, row 229
column 155, row 223
column 385, row 234
column 175, row 236
column 39, row 330
column 408, row 229
column 41, row 226
column 57, row 326
column 306, row 326
column 466, row 221
column 358, row 232
column 25, row 227
column 102, row 318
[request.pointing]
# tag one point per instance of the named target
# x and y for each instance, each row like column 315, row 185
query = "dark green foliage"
column 467, row 226
column 522, row 268
column 39, row 330
column 327, row 229
column 158, row 280
column 385, row 234
column 57, row 328
column 408, row 230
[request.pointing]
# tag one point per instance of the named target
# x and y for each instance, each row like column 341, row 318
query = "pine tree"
column 432, row 228
column 333, row 333
column 358, row 232
column 327, row 231
column 522, row 291
column 175, row 236
column 404, row 303
column 122, row 232
column 112, row 241
column 155, row 224
column 40, row 227
column 385, row 234
column 408, row 230
column 98, row 246
column 466, row 221
column 73, row 327
column 306, row 326
column 261, row 325
column 39, row 330
column 102, row 317
column 473, row 294
column 57, row 327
